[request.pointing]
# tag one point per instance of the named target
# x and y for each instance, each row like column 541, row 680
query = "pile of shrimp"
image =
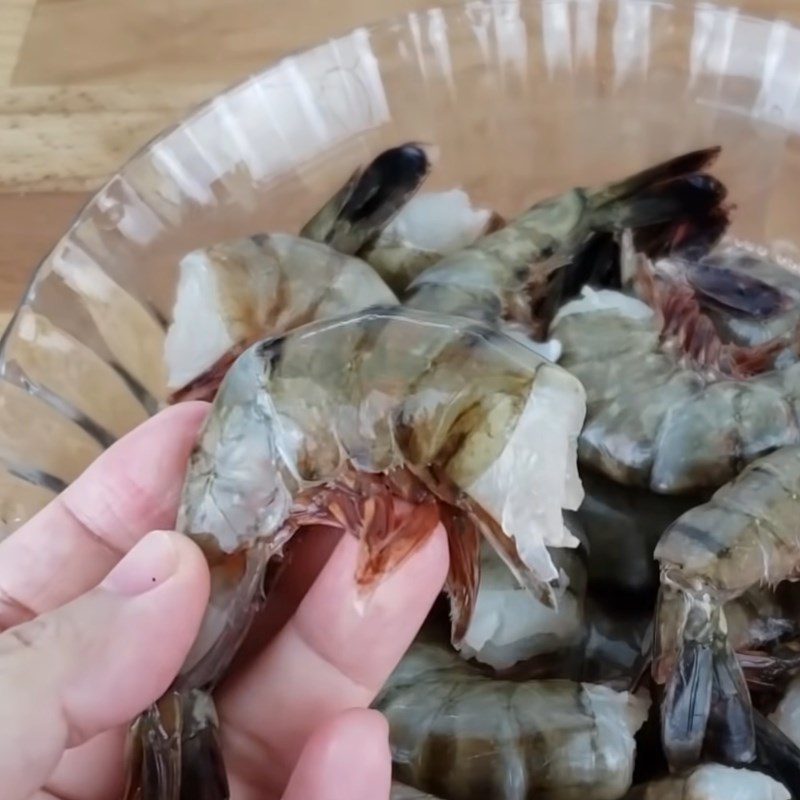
column 598, row 399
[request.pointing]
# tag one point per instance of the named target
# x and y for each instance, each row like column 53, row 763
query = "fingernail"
column 149, row 564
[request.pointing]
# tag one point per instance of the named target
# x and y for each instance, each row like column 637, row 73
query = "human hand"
column 97, row 615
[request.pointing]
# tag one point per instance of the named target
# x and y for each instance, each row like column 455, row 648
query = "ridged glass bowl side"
column 523, row 97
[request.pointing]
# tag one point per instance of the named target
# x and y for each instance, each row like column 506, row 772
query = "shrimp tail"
column 677, row 167
column 689, row 238
column 672, row 192
column 707, row 708
column 596, row 263
column 370, row 198
column 730, row 733
column 765, row 670
column 776, row 754
column 686, row 706
column 464, row 541
column 687, row 329
column 689, row 674
column 678, row 199
column 174, row 751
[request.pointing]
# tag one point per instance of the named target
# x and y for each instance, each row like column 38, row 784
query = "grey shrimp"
column 336, row 422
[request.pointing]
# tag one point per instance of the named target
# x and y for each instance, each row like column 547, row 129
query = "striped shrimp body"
column 238, row 291
column 747, row 536
column 506, row 274
column 674, row 406
column 336, row 422
column 462, row 735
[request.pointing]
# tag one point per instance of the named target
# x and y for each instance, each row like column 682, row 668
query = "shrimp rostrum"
column 337, row 422
column 747, row 535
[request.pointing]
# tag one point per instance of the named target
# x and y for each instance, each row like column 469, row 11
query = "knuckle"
column 35, row 635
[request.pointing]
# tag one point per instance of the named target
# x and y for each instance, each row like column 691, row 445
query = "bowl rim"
column 193, row 111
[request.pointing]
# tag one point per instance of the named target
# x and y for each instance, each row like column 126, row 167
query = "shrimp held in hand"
column 344, row 423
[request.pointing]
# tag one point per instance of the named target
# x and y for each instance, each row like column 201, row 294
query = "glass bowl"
column 523, row 97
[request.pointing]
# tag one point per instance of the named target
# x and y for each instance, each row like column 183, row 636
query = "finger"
column 95, row 663
column 71, row 544
column 352, row 750
column 101, row 759
column 306, row 555
column 332, row 655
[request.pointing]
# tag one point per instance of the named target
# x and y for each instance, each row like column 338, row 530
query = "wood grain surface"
column 84, row 83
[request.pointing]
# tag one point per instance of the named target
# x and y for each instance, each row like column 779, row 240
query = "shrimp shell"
column 712, row 782
column 465, row 736
column 658, row 423
column 256, row 286
column 746, row 536
column 504, row 275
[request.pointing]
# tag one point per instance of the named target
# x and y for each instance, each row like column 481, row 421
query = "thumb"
column 98, row 661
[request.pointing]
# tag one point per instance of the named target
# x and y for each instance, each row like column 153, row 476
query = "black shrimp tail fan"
column 776, row 754
column 677, row 199
column 596, row 263
column 689, row 238
column 730, row 735
column 687, row 704
column 174, row 751
column 370, row 198
column 707, row 709
column 670, row 208
column 677, row 167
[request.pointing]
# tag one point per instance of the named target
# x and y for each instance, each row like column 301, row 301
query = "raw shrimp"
column 712, row 782
column 463, row 735
column 431, row 226
column 672, row 407
column 508, row 625
column 505, row 274
column 334, row 422
column 747, row 535
column 236, row 292
column 242, row 290
column 751, row 298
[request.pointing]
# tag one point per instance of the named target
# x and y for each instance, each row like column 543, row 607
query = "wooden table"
column 83, row 83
